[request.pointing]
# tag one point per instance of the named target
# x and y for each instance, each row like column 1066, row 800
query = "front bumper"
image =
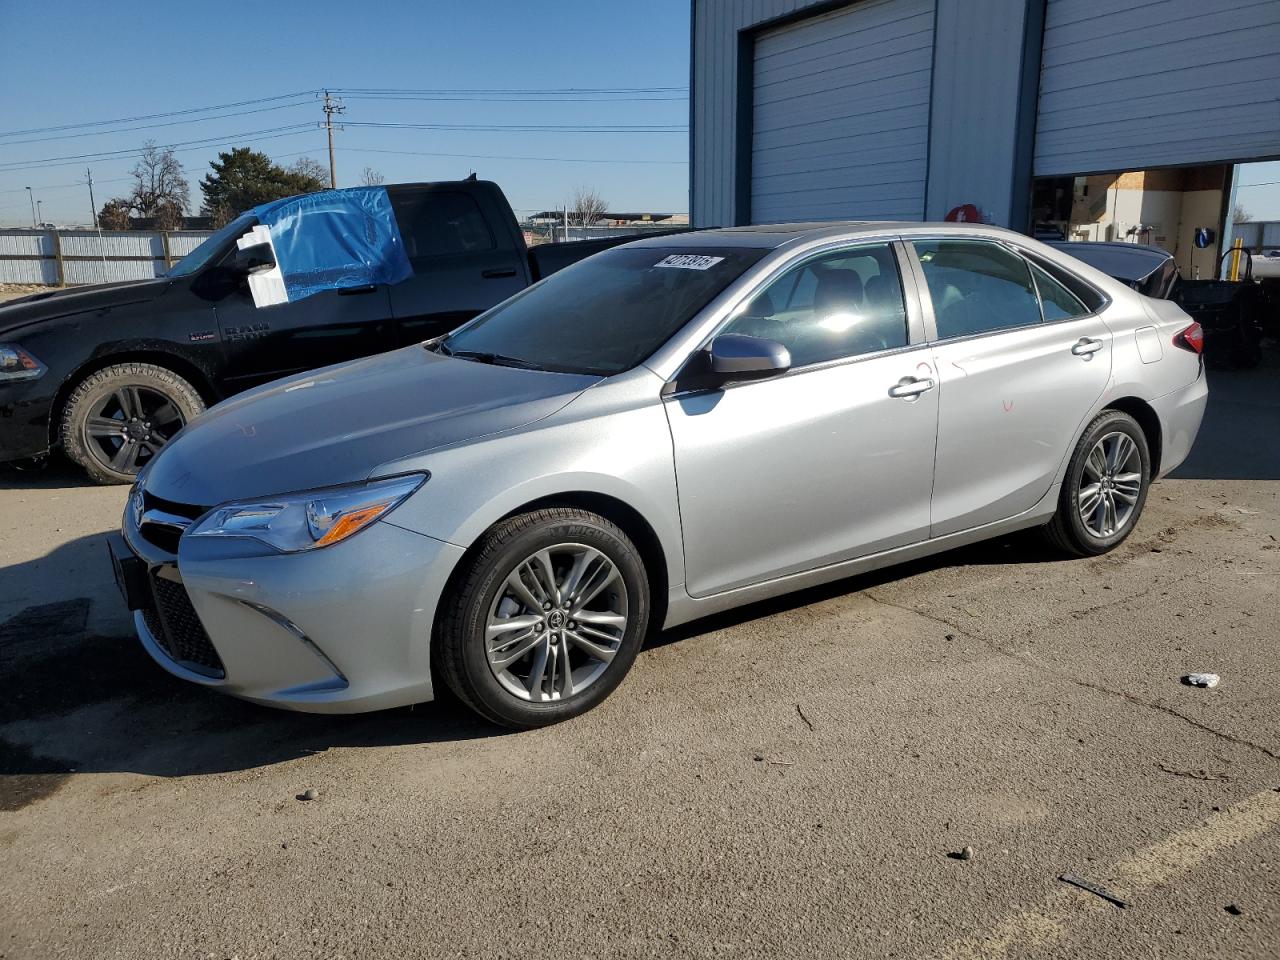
column 344, row 629
column 24, row 418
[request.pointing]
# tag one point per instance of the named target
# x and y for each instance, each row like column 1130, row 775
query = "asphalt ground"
column 795, row 779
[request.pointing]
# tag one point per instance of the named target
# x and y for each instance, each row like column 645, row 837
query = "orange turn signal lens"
column 353, row 522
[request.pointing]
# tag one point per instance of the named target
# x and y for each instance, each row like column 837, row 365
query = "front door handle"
column 908, row 388
column 497, row 274
column 1086, row 347
column 357, row 291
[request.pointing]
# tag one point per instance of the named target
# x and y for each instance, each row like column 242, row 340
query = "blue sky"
column 75, row 61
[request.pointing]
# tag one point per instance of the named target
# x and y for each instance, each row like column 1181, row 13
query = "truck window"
column 437, row 223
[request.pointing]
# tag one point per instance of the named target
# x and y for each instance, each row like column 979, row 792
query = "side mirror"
column 737, row 357
column 254, row 259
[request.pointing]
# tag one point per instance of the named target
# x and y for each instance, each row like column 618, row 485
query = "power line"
column 528, row 128
column 494, row 156
column 158, row 116
column 205, row 141
column 153, row 126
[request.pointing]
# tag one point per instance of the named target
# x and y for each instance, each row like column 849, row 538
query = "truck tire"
column 118, row 418
column 576, row 593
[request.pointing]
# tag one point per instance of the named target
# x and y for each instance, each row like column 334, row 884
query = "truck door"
column 265, row 343
column 464, row 257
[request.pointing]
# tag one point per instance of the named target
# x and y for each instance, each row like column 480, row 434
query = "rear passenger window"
column 977, row 287
column 838, row 305
column 1057, row 301
column 435, row 224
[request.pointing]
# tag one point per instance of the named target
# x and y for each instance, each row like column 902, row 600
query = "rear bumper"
column 1180, row 414
column 346, row 629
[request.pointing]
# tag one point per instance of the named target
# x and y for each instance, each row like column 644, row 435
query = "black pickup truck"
column 110, row 372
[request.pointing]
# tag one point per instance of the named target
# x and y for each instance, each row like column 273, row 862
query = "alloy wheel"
column 556, row 623
column 128, row 426
column 1110, row 485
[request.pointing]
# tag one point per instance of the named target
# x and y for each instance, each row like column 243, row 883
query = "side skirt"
column 681, row 607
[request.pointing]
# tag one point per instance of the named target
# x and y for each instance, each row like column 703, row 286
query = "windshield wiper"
column 497, row 359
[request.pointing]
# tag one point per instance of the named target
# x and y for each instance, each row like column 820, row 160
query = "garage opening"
column 1183, row 210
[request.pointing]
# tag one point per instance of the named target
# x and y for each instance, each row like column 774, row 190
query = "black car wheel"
column 120, row 417
column 545, row 619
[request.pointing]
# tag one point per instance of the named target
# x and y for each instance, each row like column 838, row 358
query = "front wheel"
column 120, row 417
column 546, row 618
column 1105, row 487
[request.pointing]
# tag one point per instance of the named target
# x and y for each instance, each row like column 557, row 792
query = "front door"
column 264, row 343
column 830, row 461
column 1021, row 362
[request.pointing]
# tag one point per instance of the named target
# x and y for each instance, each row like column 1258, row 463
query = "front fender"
column 626, row 456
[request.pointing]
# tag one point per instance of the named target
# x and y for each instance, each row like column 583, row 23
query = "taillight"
column 1191, row 339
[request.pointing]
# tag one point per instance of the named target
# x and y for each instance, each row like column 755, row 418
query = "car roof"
column 773, row 235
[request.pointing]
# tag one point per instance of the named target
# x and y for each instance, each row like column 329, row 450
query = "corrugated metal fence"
column 1258, row 235
column 57, row 257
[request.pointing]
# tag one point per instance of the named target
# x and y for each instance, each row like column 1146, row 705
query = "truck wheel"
column 546, row 618
column 120, row 417
column 1105, row 488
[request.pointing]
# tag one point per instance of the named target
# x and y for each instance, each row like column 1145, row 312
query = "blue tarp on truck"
column 336, row 239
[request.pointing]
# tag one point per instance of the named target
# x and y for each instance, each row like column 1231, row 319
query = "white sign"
column 688, row 261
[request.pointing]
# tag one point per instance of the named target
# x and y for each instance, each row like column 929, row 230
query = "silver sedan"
column 665, row 430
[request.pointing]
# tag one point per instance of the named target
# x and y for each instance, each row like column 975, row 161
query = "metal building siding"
column 1129, row 86
column 714, row 98
column 840, row 123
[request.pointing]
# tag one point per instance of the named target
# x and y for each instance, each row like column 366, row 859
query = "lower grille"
column 178, row 630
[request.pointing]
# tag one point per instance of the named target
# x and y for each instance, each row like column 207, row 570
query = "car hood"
column 60, row 303
column 335, row 425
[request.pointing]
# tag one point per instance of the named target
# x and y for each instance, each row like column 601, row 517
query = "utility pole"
column 332, row 105
column 93, row 207
column 32, row 197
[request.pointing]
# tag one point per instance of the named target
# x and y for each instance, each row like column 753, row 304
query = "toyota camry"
column 664, row 430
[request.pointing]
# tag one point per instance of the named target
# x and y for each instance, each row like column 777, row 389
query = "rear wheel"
column 1105, row 487
column 119, row 418
column 546, row 619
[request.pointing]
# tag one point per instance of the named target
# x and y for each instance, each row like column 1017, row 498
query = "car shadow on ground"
column 81, row 701
column 80, row 694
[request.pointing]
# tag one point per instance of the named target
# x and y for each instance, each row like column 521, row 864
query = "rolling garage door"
column 840, row 117
column 1157, row 84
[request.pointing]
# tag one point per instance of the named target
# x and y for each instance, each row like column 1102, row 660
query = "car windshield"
column 211, row 247
column 605, row 314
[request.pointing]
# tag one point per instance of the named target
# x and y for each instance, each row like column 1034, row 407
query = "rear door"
column 464, row 257
column 1021, row 361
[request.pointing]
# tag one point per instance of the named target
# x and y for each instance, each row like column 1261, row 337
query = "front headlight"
column 18, row 364
column 306, row 521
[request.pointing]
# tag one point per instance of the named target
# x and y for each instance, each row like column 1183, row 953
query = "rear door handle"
column 1086, row 347
column 357, row 291
column 909, row 388
column 497, row 274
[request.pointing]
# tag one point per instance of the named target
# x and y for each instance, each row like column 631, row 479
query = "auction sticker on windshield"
column 688, row 261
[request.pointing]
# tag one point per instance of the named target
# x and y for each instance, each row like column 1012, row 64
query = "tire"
column 1068, row 531
column 483, row 596
column 162, row 400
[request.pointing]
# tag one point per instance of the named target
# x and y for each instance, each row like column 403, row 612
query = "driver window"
column 839, row 305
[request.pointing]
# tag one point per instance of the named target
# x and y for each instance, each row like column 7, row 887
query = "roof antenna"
column 471, row 177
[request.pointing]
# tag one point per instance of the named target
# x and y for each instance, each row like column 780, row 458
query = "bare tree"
column 371, row 177
column 160, row 190
column 587, row 207
column 312, row 169
column 1240, row 215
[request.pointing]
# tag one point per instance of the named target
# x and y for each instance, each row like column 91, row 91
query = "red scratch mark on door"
column 1007, row 404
